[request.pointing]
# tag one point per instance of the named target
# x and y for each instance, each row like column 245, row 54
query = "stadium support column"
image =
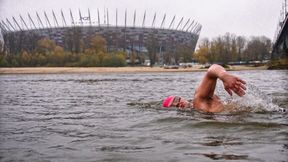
column 143, row 23
column 17, row 23
column 10, row 24
column 89, row 16
column 2, row 32
column 199, row 29
column 196, row 28
column 55, row 19
column 48, row 23
column 133, row 39
column 39, row 20
column 125, row 30
column 109, row 39
column 98, row 17
column 172, row 22
column 116, row 18
column 31, row 21
column 72, row 19
column 50, row 29
column 63, row 19
column 116, row 35
column 186, row 24
column 125, row 18
column 196, row 31
column 153, row 45
column 104, row 17
column 161, row 43
column 188, row 29
column 80, row 17
column 6, row 26
column 163, row 21
column 180, row 22
column 192, row 28
column 142, row 37
column 134, row 19
column 107, row 17
column 174, row 51
column 3, row 28
column 20, row 38
column 153, row 22
column 47, row 20
column 23, row 22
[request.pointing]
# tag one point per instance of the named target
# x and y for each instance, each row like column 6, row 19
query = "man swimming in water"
column 204, row 97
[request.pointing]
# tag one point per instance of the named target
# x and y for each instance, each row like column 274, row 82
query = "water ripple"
column 119, row 117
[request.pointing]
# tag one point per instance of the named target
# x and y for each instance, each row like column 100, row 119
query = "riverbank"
column 60, row 70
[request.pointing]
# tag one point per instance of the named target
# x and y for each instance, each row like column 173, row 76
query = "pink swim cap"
column 168, row 101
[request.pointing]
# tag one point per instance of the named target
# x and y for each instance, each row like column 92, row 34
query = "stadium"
column 68, row 30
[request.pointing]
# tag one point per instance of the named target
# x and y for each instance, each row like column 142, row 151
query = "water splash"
column 254, row 100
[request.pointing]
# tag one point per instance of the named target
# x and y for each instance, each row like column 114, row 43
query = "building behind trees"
column 159, row 43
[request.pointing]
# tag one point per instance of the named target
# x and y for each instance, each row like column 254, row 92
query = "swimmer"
column 204, row 97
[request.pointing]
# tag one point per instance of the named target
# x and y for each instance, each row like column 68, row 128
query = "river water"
column 118, row 117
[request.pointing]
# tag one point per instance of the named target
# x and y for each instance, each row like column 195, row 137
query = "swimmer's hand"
column 233, row 84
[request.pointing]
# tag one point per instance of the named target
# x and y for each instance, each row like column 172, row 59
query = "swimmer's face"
column 180, row 102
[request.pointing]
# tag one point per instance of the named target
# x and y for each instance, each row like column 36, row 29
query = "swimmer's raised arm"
column 231, row 83
column 204, row 98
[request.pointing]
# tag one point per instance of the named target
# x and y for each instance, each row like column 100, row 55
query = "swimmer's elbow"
column 215, row 70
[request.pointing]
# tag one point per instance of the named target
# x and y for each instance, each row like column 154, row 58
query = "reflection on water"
column 222, row 140
column 119, row 117
column 214, row 156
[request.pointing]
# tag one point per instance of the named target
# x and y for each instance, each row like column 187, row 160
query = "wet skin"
column 204, row 97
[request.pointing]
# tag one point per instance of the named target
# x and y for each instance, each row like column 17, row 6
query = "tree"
column 258, row 48
column 45, row 45
column 25, row 59
column 234, row 54
column 3, row 60
column 58, row 56
column 201, row 55
column 229, row 51
column 216, row 50
column 227, row 48
column 98, row 44
column 240, row 45
column 133, row 58
column 1, row 48
column 39, row 59
column 114, row 60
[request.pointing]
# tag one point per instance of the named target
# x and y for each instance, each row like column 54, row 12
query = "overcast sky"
column 241, row 17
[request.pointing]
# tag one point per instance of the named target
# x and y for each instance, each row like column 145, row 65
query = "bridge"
column 280, row 47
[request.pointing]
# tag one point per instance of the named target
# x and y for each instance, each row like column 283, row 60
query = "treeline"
column 232, row 48
column 47, row 53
